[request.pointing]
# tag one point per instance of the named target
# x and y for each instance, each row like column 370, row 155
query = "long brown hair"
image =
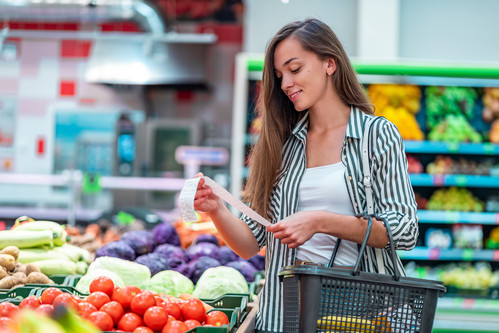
column 278, row 113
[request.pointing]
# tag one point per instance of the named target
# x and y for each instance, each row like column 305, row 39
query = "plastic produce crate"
column 15, row 294
column 37, row 289
column 67, row 280
column 320, row 299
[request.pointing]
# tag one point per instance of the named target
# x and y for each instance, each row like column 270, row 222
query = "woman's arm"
column 235, row 232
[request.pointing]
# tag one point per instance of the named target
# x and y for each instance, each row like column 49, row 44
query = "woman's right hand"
column 205, row 200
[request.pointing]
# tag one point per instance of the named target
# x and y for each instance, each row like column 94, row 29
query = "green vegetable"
column 217, row 281
column 130, row 272
column 83, row 284
column 169, row 282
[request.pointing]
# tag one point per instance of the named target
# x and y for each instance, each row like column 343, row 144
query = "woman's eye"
column 295, row 70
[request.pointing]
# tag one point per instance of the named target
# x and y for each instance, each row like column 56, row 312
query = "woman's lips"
column 294, row 95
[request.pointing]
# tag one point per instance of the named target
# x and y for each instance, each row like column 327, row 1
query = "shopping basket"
column 327, row 299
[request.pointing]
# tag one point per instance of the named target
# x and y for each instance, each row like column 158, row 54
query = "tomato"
column 191, row 323
column 156, row 317
column 159, row 300
column 45, row 309
column 31, row 302
column 65, row 299
column 102, row 283
column 49, row 294
column 173, row 310
column 143, row 329
column 102, row 320
column 174, row 326
column 8, row 309
column 98, row 299
column 77, row 299
column 8, row 323
column 217, row 318
column 114, row 309
column 141, row 302
column 85, row 309
column 124, row 295
column 193, row 309
column 130, row 321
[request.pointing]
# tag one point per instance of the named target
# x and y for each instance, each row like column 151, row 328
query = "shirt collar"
column 301, row 127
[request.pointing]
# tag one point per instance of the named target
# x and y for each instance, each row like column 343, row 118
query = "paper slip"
column 188, row 192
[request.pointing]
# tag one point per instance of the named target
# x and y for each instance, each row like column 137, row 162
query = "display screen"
column 126, row 147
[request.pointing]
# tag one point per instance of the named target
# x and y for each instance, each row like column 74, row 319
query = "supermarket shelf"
column 466, row 148
column 424, row 253
column 436, row 216
column 424, row 179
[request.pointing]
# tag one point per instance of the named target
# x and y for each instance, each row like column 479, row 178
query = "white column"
column 378, row 29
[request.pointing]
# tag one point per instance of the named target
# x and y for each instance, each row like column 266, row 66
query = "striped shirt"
column 393, row 197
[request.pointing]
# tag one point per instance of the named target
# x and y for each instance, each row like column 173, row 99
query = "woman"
column 305, row 169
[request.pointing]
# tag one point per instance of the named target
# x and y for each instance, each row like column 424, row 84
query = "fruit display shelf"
column 451, row 217
column 425, row 253
column 464, row 148
column 423, row 179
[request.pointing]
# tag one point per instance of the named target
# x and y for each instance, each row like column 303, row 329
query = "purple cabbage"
column 154, row 261
column 225, row 255
column 258, row 262
column 204, row 249
column 165, row 233
column 141, row 241
column 117, row 249
column 207, row 238
column 169, row 251
column 198, row 266
column 245, row 268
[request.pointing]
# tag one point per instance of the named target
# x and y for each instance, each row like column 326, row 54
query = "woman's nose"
column 286, row 82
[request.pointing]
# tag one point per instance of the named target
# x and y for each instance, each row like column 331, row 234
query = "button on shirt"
column 393, row 199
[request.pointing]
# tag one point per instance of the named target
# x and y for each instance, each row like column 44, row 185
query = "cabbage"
column 168, row 251
column 169, row 282
column 154, row 261
column 165, row 233
column 207, row 238
column 198, row 266
column 258, row 261
column 204, row 249
column 141, row 241
column 118, row 249
column 218, row 281
column 83, row 284
column 130, row 272
column 225, row 255
column 245, row 268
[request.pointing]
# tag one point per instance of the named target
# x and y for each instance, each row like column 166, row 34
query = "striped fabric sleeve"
column 257, row 229
column 393, row 192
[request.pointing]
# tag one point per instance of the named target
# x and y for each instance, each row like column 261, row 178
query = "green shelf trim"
column 484, row 71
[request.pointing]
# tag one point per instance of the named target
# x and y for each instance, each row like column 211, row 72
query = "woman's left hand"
column 295, row 229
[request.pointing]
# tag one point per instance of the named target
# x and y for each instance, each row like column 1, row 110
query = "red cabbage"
column 202, row 250
column 117, row 249
column 165, row 233
column 246, row 269
column 169, row 251
column 154, row 261
column 225, row 255
column 141, row 241
column 197, row 267
column 206, row 238
column 258, row 262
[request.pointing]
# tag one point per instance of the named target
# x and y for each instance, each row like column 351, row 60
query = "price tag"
column 434, row 254
column 453, row 147
column 438, row 180
column 468, row 303
column 461, row 180
column 468, row 254
column 488, row 148
column 495, row 255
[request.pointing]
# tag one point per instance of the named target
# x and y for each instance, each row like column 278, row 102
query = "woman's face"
column 303, row 76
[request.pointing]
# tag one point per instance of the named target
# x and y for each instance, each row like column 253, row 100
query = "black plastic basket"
column 324, row 299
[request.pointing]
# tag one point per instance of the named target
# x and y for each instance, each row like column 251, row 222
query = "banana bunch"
column 65, row 321
column 44, row 243
column 353, row 324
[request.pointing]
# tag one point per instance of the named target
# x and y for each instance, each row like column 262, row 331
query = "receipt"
column 188, row 192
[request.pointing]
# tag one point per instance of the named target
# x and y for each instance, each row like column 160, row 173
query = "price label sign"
column 438, row 180
column 434, row 254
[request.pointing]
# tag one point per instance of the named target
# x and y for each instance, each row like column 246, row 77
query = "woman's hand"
column 205, row 200
column 295, row 229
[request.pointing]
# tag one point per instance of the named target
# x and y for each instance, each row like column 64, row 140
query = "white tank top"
column 323, row 188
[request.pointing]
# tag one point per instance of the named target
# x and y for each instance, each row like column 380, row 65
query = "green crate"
column 16, row 293
column 15, row 301
column 37, row 289
column 67, row 280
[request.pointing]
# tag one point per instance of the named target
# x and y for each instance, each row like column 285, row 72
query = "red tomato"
column 124, row 295
column 114, row 309
column 143, row 329
column 45, row 308
column 49, row 294
column 141, row 302
column 8, row 309
column 191, row 323
column 6, row 322
column 159, row 300
column 217, row 318
column 85, row 309
column 102, row 320
column 173, row 310
column 65, row 299
column 156, row 317
column 31, row 302
column 129, row 322
column 174, row 326
column 77, row 299
column 102, row 283
column 193, row 309
column 98, row 299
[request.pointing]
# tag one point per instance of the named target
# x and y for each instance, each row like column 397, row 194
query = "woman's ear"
column 331, row 66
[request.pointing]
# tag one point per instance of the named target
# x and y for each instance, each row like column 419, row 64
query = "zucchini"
column 27, row 256
column 25, row 238
column 56, row 266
